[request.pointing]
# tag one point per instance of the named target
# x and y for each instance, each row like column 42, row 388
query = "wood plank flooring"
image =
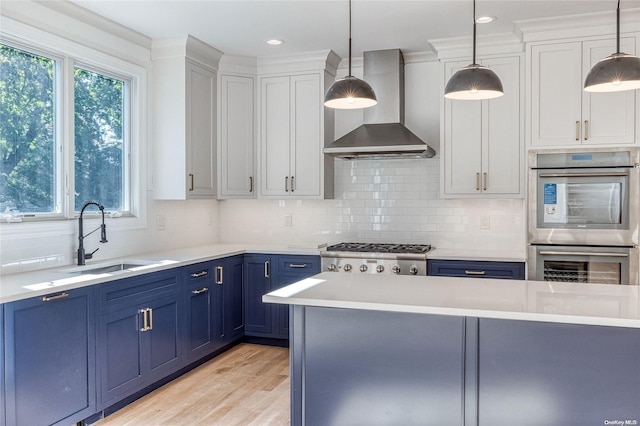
column 247, row 385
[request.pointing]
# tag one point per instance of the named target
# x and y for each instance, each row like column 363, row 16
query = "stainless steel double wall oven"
column 584, row 215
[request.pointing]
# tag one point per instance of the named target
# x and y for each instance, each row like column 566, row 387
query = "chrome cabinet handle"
column 298, row 265
column 545, row 175
column 477, row 181
column 484, row 181
column 586, row 130
column 250, row 183
column 62, row 295
column 583, row 253
column 266, row 269
column 219, row 277
column 292, row 184
column 191, row 181
column 200, row 274
column 202, row 290
column 150, row 312
column 474, row 272
column 286, row 183
column 145, row 322
column 577, row 130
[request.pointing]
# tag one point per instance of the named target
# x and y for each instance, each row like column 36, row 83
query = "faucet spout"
column 82, row 256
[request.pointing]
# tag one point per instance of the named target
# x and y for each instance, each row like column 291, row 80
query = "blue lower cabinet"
column 203, row 310
column 50, row 359
column 475, row 269
column 537, row 373
column 139, row 334
column 263, row 274
column 232, row 298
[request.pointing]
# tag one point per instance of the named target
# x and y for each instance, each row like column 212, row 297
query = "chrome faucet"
column 82, row 256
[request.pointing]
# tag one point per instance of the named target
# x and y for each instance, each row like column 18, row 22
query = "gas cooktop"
column 380, row 248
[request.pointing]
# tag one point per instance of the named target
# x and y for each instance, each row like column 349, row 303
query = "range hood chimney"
column 383, row 134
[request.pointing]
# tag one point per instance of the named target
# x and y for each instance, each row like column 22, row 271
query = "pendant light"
column 616, row 72
column 474, row 81
column 350, row 92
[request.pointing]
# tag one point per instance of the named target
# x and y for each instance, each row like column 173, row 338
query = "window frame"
column 67, row 55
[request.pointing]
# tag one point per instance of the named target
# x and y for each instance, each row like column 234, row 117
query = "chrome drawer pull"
column 219, row 273
column 202, row 290
column 56, row 297
column 474, row 272
column 298, row 265
column 582, row 253
column 199, row 274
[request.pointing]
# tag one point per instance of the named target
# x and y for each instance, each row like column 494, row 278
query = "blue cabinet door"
column 257, row 282
column 290, row 270
column 536, row 373
column 203, row 310
column 50, row 358
column 475, row 269
column 161, row 343
column 233, row 297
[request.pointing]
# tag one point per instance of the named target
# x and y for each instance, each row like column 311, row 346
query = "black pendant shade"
column 616, row 72
column 350, row 92
column 474, row 81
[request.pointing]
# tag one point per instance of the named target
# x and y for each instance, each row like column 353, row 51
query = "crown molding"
column 460, row 47
column 186, row 46
column 310, row 61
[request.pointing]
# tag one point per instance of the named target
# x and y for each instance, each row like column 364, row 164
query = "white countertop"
column 592, row 304
column 39, row 283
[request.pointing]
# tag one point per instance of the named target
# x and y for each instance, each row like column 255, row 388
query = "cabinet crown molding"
column 326, row 60
column 186, row 46
column 585, row 25
column 238, row 65
column 459, row 47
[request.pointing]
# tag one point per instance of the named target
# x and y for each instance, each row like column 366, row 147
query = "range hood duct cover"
column 383, row 135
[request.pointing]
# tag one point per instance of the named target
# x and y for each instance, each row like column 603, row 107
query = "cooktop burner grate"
column 381, row 248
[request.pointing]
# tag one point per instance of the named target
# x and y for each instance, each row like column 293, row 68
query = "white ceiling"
column 240, row 27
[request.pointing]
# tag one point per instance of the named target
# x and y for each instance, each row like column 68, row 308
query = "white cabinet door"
column 562, row 113
column 556, row 88
column 275, row 136
column 236, row 165
column 607, row 118
column 503, row 150
column 462, row 154
column 306, row 147
column 483, row 144
column 201, row 131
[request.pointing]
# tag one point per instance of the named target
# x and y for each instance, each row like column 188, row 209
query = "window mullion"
column 67, row 139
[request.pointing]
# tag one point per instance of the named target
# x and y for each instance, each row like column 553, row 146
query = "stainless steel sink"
column 105, row 268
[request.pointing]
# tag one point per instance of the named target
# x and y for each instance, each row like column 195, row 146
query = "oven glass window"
column 583, row 271
column 582, row 203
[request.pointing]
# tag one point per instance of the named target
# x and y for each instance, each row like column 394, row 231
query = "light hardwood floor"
column 247, row 385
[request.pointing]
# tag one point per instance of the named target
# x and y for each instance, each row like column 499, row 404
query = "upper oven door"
column 589, row 206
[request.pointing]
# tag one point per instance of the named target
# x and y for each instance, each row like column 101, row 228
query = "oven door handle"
column 583, row 253
column 568, row 175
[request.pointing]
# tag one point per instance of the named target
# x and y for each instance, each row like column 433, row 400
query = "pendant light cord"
column 617, row 28
column 350, row 38
column 474, row 32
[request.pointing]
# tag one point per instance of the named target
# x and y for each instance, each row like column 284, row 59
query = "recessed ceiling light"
column 485, row 19
column 274, row 42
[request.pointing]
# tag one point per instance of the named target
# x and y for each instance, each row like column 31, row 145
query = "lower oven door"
column 584, row 264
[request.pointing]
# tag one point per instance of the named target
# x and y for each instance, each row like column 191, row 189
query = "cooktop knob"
column 379, row 269
column 363, row 268
column 331, row 267
column 413, row 270
column 395, row 269
column 347, row 268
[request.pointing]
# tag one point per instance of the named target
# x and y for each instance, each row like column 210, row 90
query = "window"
column 27, row 132
column 40, row 163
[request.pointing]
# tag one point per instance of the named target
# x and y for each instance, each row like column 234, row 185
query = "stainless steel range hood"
column 383, row 135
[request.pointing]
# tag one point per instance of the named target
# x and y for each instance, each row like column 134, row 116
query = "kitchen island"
column 369, row 349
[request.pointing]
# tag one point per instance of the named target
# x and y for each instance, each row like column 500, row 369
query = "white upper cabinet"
column 236, row 149
column 294, row 128
column 483, row 150
column 184, row 118
column 562, row 113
